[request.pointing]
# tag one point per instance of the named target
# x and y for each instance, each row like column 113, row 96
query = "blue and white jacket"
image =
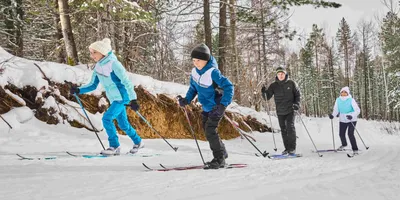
column 201, row 84
column 112, row 75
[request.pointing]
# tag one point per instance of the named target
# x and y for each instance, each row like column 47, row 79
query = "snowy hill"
column 375, row 174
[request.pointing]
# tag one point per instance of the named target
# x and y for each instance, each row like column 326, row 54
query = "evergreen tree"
column 390, row 42
column 343, row 36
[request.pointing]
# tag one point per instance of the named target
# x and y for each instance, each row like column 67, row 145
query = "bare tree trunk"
column 58, row 36
column 264, row 62
column 371, row 90
column 115, row 28
column 18, row 28
column 222, row 36
column 207, row 24
column 99, row 24
column 365, row 85
column 157, row 47
column 13, row 26
column 332, row 74
column 108, row 21
column 163, row 60
column 305, row 95
column 259, row 66
column 9, row 26
column 125, row 45
column 346, row 66
column 235, row 52
column 359, row 83
column 365, row 65
column 258, row 74
column 318, row 106
column 72, row 55
column 386, row 91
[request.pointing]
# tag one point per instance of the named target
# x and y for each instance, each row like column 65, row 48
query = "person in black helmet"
column 287, row 99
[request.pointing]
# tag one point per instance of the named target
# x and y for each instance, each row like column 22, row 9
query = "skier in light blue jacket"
column 120, row 92
column 347, row 109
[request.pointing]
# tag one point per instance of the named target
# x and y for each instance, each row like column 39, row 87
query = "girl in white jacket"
column 348, row 111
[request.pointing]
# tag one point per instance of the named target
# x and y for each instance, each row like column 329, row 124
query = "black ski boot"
column 215, row 163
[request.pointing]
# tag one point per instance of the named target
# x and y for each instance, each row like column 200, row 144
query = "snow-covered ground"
column 375, row 174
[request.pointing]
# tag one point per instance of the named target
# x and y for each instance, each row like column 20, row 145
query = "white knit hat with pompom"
column 103, row 46
column 347, row 89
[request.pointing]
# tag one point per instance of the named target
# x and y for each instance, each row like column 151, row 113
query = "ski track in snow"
column 375, row 174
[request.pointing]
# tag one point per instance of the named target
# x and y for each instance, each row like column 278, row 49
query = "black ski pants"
column 210, row 125
column 288, row 130
column 342, row 134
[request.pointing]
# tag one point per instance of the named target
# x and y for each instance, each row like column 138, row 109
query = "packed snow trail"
column 374, row 174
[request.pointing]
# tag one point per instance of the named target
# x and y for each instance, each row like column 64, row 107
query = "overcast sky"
column 352, row 10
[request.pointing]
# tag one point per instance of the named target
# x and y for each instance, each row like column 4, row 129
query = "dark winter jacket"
column 286, row 93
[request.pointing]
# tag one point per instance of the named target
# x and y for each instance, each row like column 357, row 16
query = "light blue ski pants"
column 117, row 111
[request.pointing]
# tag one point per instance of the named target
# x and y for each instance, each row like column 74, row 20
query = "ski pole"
column 144, row 119
column 6, row 122
column 320, row 155
column 270, row 120
column 95, row 130
column 333, row 135
column 359, row 136
column 265, row 154
column 90, row 122
column 194, row 136
column 244, row 133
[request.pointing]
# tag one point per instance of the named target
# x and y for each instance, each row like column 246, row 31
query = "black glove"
column 134, row 105
column 296, row 107
column 349, row 117
column 264, row 93
column 182, row 101
column 217, row 111
column 330, row 116
column 74, row 90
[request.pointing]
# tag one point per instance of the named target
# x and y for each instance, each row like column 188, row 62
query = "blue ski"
column 106, row 156
column 36, row 158
column 280, row 156
column 331, row 150
column 324, row 150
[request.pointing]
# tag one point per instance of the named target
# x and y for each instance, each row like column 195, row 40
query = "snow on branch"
column 15, row 97
column 133, row 4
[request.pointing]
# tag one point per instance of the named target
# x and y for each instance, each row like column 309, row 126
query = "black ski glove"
column 264, row 93
column 330, row 116
column 182, row 101
column 349, row 117
column 74, row 90
column 134, row 105
column 296, row 107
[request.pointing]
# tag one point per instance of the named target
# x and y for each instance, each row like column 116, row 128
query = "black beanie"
column 201, row 52
column 281, row 69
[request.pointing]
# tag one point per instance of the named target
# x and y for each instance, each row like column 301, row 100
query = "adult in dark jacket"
column 287, row 99
column 205, row 82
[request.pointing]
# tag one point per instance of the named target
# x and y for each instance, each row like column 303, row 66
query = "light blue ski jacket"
column 112, row 75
